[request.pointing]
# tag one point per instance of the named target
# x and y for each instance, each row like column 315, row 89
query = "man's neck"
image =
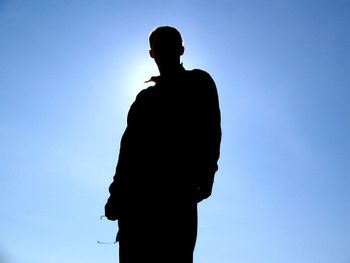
column 171, row 70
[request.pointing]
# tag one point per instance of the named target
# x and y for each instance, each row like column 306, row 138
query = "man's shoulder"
column 147, row 93
column 200, row 74
column 201, row 79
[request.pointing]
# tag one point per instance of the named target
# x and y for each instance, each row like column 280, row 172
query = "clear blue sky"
column 69, row 71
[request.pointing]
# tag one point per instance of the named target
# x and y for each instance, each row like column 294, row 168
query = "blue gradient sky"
column 69, row 71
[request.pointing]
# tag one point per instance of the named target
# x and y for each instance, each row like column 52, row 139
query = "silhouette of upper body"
column 167, row 160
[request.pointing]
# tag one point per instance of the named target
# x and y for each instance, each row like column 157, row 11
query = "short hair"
column 165, row 35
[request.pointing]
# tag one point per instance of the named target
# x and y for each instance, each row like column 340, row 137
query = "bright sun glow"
column 139, row 71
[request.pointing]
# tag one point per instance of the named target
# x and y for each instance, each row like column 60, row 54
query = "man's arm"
column 209, row 135
column 116, row 200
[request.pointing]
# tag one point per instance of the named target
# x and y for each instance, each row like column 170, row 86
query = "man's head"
column 166, row 46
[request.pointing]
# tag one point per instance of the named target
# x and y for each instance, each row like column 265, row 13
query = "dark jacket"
column 170, row 148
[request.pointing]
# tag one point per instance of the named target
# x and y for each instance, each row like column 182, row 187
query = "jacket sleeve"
column 114, row 204
column 208, row 135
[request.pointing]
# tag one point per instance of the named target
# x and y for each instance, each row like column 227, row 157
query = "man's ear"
column 182, row 50
column 151, row 53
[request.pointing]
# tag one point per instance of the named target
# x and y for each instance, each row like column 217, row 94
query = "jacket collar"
column 168, row 77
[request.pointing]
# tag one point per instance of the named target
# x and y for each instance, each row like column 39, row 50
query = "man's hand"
column 111, row 210
column 201, row 193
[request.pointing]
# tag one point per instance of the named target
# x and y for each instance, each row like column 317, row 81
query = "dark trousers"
column 158, row 235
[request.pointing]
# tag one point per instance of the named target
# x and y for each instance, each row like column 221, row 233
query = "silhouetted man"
column 167, row 160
